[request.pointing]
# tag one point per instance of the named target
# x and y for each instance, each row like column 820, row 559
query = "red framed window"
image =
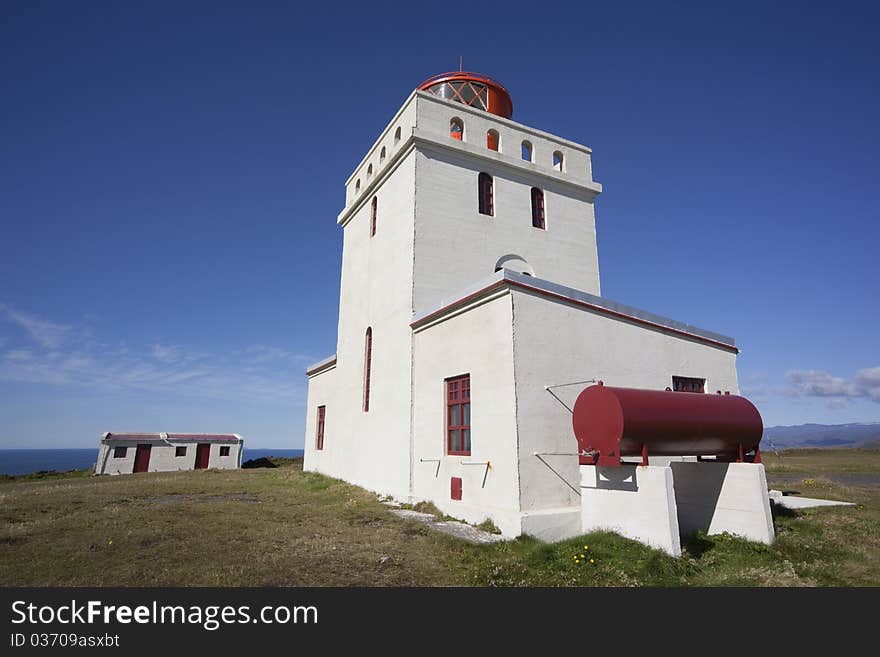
column 458, row 415
column 319, row 436
column 486, row 194
column 368, row 362
column 538, row 208
column 373, row 206
column 492, row 140
column 688, row 384
column 456, row 129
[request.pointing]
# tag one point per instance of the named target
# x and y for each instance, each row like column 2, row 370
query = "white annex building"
column 126, row 453
column 470, row 296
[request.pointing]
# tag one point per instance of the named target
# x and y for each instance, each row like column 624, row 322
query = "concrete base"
column 635, row 501
column 552, row 525
column 657, row 504
column 795, row 502
column 723, row 497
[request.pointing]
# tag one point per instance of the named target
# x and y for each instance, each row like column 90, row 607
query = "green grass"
column 285, row 527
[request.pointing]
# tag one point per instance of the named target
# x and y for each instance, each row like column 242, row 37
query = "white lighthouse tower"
column 469, row 298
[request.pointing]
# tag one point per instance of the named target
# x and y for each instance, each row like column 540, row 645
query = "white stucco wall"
column 556, row 342
column 455, row 244
column 162, row 458
column 477, row 343
column 371, row 448
column 322, row 392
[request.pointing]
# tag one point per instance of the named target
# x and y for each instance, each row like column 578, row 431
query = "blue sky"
column 170, row 174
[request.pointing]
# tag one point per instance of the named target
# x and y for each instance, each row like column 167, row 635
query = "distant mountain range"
column 823, row 435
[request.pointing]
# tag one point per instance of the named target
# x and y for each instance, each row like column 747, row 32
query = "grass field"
column 285, row 527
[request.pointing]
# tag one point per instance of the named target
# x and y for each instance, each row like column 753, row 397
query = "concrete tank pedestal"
column 656, row 505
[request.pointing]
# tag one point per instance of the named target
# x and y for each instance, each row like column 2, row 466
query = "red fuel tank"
column 613, row 422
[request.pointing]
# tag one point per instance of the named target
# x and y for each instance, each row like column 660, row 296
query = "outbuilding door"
column 203, row 454
column 142, row 458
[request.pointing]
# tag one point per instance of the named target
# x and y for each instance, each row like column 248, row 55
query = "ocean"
column 25, row 461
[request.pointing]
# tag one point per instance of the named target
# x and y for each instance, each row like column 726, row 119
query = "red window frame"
column 486, row 193
column 458, row 415
column 456, row 129
column 368, row 364
column 492, row 140
column 373, row 216
column 538, row 220
column 319, row 434
column 688, row 384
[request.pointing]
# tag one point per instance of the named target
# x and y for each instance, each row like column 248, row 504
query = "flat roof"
column 321, row 365
column 555, row 292
column 176, row 437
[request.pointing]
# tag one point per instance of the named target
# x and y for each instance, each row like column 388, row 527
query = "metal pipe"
column 573, row 383
column 550, row 467
column 488, row 465
column 437, row 461
column 562, row 385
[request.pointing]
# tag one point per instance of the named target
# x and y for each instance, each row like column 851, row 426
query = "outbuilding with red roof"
column 126, row 453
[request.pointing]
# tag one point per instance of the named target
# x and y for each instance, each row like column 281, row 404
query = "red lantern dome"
column 472, row 89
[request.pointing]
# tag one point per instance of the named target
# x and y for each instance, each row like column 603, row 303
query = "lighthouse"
column 471, row 314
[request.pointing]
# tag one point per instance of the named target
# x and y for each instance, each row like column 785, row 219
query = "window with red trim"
column 492, row 140
column 456, row 129
column 486, row 194
column 538, row 208
column 319, row 435
column 688, row 384
column 458, row 415
column 373, row 206
column 368, row 357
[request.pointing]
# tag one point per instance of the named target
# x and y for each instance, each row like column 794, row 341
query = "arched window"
column 357, row 185
column 373, row 216
column 538, row 208
column 527, row 151
column 382, row 156
column 492, row 140
column 368, row 357
column 456, row 129
column 396, row 136
column 486, row 194
column 369, row 171
column 557, row 160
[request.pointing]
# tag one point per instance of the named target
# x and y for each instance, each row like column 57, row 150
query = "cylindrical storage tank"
column 614, row 422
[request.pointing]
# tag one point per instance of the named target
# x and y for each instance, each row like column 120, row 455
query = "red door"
column 142, row 458
column 203, row 453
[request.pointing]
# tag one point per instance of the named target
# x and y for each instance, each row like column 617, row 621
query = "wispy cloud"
column 56, row 356
column 261, row 353
column 819, row 383
column 44, row 332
